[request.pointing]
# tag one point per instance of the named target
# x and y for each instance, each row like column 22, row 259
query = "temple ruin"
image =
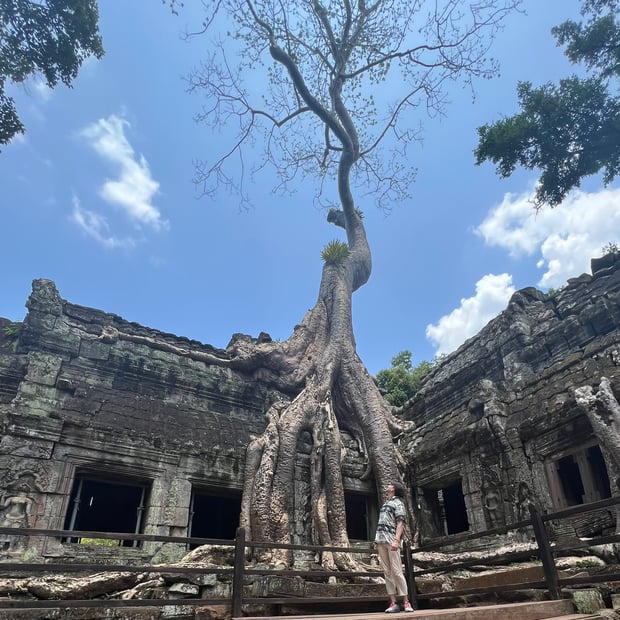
column 111, row 426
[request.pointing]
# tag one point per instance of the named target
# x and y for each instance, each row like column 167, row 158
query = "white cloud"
column 96, row 227
column 133, row 191
column 565, row 238
column 492, row 295
column 41, row 89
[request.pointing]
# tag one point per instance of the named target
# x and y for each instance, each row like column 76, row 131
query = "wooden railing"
column 545, row 550
column 54, row 566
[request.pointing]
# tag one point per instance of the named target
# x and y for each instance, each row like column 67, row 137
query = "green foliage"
column 12, row 330
column 596, row 42
column 335, row 252
column 400, row 382
column 50, row 38
column 611, row 248
column 588, row 563
column 571, row 130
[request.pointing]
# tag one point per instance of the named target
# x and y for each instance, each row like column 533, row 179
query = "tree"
column 571, row 130
column 400, row 382
column 322, row 112
column 51, row 38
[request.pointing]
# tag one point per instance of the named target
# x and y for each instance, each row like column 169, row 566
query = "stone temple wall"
column 83, row 392
column 88, row 399
column 499, row 416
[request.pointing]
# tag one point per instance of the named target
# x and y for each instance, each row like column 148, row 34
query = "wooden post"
column 545, row 553
column 411, row 586
column 237, row 584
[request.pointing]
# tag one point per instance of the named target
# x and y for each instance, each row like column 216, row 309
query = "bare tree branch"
column 327, row 58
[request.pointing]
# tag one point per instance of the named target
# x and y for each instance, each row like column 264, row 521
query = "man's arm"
column 400, row 528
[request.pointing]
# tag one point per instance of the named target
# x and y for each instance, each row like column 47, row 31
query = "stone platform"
column 540, row 610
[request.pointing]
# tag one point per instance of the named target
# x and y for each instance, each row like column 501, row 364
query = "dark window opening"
column 570, row 479
column 103, row 505
column 356, row 507
column 579, row 478
column 214, row 516
column 443, row 511
column 454, row 508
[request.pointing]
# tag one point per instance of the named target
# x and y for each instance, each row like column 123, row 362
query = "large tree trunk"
column 318, row 364
column 335, row 390
column 603, row 411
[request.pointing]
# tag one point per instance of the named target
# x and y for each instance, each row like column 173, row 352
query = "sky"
column 98, row 196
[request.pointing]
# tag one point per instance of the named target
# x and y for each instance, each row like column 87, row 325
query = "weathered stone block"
column 183, row 590
column 278, row 586
column 42, row 368
column 94, row 349
column 588, row 601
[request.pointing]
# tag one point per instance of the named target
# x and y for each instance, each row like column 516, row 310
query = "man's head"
column 395, row 490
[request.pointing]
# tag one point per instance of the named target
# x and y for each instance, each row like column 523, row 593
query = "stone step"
column 578, row 617
column 538, row 610
column 504, row 577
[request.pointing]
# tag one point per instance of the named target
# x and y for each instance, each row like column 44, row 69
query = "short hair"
column 399, row 490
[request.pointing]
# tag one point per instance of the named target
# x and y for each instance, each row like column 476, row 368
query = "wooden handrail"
column 29, row 531
column 545, row 550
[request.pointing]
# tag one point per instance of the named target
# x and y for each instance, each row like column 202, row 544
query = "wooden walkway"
column 551, row 610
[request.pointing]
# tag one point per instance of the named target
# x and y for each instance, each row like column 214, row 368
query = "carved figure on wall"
column 493, row 505
column 524, row 499
column 15, row 509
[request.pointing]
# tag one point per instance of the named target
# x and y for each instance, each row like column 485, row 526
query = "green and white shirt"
column 391, row 513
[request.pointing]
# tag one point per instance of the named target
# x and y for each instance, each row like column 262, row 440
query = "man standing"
column 388, row 537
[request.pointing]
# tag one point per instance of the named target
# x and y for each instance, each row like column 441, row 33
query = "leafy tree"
column 51, row 38
column 570, row 130
column 400, row 382
column 318, row 100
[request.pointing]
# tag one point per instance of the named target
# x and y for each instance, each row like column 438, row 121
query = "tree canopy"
column 568, row 130
column 50, row 38
column 402, row 380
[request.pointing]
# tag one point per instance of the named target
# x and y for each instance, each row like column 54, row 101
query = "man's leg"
column 385, row 561
column 398, row 579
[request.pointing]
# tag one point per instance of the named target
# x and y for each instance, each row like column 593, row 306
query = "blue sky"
column 98, row 196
